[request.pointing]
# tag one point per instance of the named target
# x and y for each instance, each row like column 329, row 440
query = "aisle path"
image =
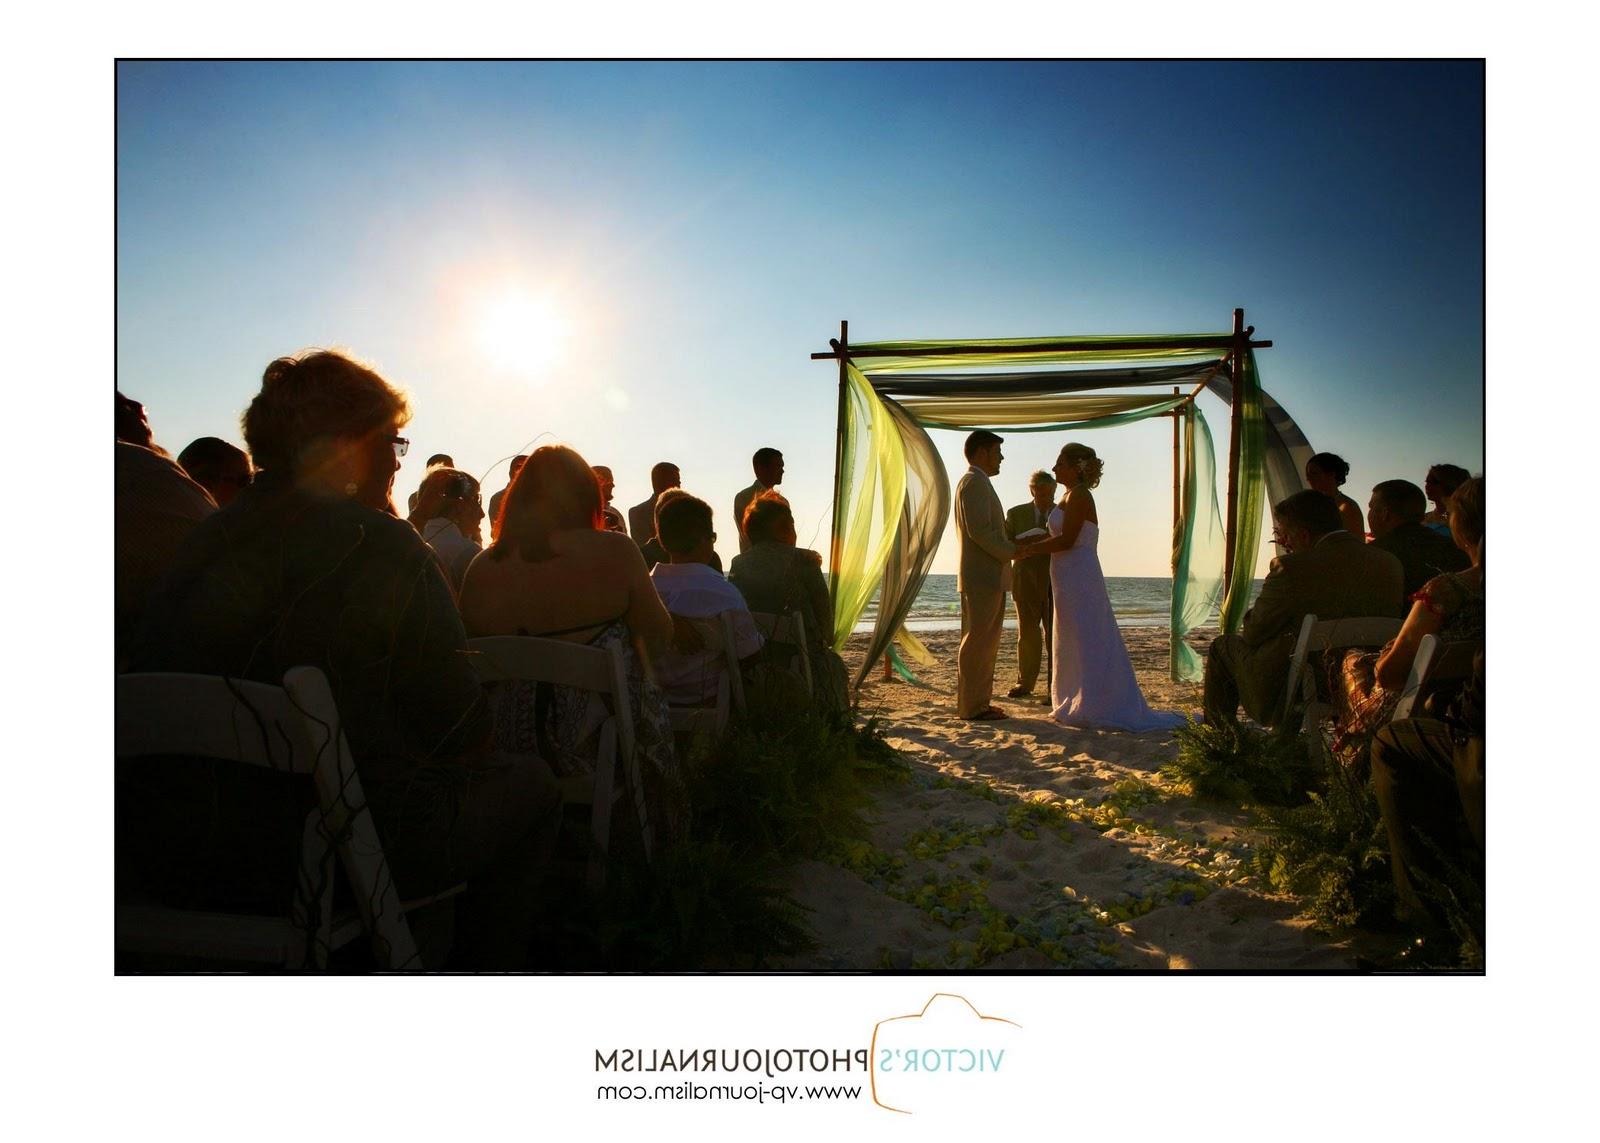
column 1024, row 844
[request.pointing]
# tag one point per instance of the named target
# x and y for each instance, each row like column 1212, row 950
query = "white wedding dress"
column 1091, row 679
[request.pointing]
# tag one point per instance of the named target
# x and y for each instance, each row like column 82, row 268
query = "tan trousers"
column 982, row 614
column 1030, row 592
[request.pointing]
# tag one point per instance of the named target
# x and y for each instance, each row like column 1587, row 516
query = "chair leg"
column 600, row 812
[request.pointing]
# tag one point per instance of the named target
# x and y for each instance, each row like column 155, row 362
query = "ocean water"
column 1137, row 601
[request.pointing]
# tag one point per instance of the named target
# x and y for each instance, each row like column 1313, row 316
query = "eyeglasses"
column 400, row 445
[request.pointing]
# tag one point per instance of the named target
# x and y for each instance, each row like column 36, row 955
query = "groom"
column 986, row 556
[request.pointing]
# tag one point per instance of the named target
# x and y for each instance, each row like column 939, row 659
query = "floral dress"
column 559, row 725
column 1365, row 707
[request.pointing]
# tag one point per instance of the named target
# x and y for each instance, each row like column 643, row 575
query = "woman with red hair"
column 555, row 572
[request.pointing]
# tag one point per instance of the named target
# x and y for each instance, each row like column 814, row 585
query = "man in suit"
column 985, row 574
column 642, row 516
column 499, row 498
column 613, row 518
column 1395, row 516
column 1327, row 572
column 1030, row 583
column 768, row 466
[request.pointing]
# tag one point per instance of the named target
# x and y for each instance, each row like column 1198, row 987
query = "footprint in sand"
column 1099, row 858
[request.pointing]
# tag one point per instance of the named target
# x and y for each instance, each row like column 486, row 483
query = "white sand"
column 976, row 861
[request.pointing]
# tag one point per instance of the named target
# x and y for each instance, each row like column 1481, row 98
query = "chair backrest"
column 1317, row 636
column 532, row 659
column 294, row 728
column 730, row 658
column 1436, row 662
column 212, row 717
column 529, row 658
column 788, row 630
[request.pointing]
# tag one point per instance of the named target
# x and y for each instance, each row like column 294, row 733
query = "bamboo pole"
column 1235, row 433
column 842, row 348
column 1206, row 380
column 958, row 349
column 1177, row 430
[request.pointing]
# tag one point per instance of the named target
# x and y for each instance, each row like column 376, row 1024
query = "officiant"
column 1030, row 580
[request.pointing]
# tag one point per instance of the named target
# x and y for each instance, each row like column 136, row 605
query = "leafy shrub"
column 784, row 784
column 1235, row 762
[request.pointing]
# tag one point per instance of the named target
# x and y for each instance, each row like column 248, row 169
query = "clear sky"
column 637, row 259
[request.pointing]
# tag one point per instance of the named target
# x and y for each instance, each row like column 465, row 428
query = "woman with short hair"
column 777, row 577
column 310, row 566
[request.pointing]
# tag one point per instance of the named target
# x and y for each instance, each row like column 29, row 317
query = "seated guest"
column 498, row 498
column 1325, row 473
column 437, row 460
column 608, row 483
column 1428, row 774
column 449, row 514
column 1439, row 485
column 1325, row 571
column 691, row 588
column 642, row 516
column 132, row 426
column 768, row 466
column 218, row 467
column 556, row 573
column 309, row 567
column 1395, row 515
column 155, row 507
column 775, row 576
column 1450, row 605
column 653, row 551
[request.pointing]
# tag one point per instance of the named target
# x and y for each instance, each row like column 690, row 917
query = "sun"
column 521, row 333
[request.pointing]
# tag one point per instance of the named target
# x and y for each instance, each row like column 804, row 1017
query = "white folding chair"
column 713, row 719
column 526, row 658
column 1316, row 638
column 730, row 662
column 294, row 728
column 788, row 630
column 1436, row 662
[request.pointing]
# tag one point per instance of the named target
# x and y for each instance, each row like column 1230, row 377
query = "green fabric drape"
column 1198, row 542
column 1083, row 350
column 1250, row 492
column 873, row 445
column 1035, row 414
column 925, row 509
column 892, row 495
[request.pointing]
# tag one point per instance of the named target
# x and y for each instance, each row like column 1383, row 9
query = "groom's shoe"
column 992, row 714
column 1019, row 692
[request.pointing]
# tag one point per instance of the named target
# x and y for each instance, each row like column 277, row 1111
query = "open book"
column 1032, row 534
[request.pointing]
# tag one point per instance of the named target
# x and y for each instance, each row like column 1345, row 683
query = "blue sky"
column 689, row 233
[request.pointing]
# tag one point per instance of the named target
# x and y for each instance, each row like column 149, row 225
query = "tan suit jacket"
column 981, row 524
column 985, row 573
column 1339, row 578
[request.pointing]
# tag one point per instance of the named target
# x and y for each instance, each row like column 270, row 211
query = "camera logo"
column 943, row 1057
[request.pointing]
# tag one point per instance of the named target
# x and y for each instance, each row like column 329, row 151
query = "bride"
column 1092, row 683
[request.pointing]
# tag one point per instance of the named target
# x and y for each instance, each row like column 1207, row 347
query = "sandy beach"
column 1024, row 844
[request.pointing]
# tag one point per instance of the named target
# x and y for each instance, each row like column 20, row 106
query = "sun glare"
column 521, row 333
